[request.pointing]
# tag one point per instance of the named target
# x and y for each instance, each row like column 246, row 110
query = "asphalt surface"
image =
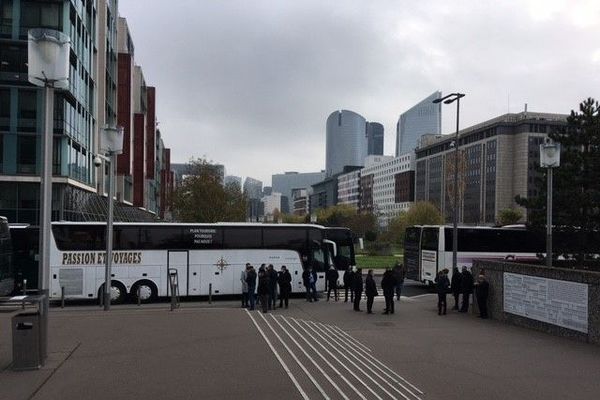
column 311, row 350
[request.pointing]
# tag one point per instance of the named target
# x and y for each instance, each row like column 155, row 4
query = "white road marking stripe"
column 423, row 295
column 312, row 324
column 386, row 367
column 283, row 364
column 300, row 364
column 351, row 338
column 349, row 349
column 324, row 359
column 308, row 356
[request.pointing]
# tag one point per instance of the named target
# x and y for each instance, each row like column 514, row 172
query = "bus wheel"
column 147, row 291
column 117, row 292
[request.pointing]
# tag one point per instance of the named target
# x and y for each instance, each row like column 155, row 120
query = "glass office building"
column 346, row 142
column 375, row 138
column 424, row 117
column 79, row 111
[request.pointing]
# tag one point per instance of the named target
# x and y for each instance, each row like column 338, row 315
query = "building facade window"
column 40, row 14
column 26, row 154
column 27, row 111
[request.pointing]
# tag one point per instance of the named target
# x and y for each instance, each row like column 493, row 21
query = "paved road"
column 312, row 350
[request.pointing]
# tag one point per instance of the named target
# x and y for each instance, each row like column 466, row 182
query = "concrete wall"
column 494, row 272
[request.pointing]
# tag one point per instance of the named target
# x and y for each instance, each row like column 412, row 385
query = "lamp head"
column 97, row 161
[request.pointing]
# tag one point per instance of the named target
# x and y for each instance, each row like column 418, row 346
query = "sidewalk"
column 217, row 353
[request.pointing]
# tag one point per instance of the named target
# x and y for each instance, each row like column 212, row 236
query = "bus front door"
column 179, row 261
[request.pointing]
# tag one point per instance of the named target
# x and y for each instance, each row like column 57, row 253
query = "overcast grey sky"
column 250, row 83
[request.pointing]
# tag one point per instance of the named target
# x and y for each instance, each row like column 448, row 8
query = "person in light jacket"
column 244, row 286
column 357, row 288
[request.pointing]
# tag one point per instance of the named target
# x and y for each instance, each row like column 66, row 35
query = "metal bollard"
column 24, row 287
column 173, row 305
column 210, row 293
column 139, row 301
column 62, row 297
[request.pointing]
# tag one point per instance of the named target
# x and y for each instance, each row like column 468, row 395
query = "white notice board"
column 561, row 303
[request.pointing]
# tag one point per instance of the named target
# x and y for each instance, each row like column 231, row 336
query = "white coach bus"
column 428, row 249
column 202, row 254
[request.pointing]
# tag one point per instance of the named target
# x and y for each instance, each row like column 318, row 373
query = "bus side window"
column 318, row 259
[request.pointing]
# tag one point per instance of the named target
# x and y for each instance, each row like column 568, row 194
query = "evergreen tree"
column 576, row 186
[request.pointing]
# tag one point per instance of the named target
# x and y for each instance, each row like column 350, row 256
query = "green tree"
column 293, row 219
column 420, row 213
column 423, row 213
column 576, row 186
column 363, row 224
column 510, row 216
column 201, row 197
column 394, row 232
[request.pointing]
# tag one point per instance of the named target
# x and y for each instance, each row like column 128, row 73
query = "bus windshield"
column 345, row 247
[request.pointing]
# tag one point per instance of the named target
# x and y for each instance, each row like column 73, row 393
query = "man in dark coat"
column 370, row 291
column 442, row 284
column 332, row 278
column 466, row 288
column 357, row 288
column 400, row 274
column 263, row 288
column 482, row 290
column 272, row 286
column 348, row 280
column 455, row 286
column 251, row 281
column 285, row 286
column 388, row 284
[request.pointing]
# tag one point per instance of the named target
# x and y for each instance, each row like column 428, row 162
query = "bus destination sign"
column 203, row 236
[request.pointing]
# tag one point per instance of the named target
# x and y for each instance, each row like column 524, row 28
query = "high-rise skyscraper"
column 424, row 117
column 375, row 138
column 253, row 188
column 287, row 182
column 346, row 142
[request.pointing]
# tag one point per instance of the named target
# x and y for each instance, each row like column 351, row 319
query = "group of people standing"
column 391, row 284
column 268, row 280
column 462, row 285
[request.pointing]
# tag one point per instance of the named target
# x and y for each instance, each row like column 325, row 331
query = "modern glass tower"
column 76, row 110
column 346, row 143
column 424, row 117
column 375, row 138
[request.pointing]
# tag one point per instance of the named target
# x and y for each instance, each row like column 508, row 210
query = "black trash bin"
column 27, row 352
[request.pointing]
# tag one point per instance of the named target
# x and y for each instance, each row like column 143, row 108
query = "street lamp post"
column 48, row 67
column 448, row 99
column 112, row 144
column 549, row 159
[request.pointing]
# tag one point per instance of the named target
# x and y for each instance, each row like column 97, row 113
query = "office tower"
column 422, row 118
column 288, row 181
column 497, row 162
column 253, row 188
column 346, row 141
column 375, row 138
